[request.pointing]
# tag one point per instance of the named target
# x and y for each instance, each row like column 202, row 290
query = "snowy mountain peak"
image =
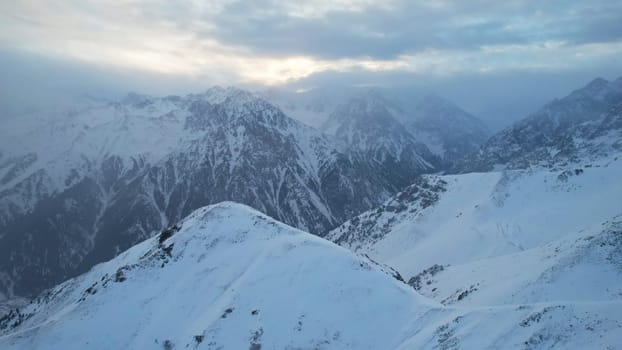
column 446, row 129
column 598, row 89
column 440, row 116
column 367, row 128
column 230, row 94
column 597, row 83
column 367, row 105
column 231, row 105
column 244, row 216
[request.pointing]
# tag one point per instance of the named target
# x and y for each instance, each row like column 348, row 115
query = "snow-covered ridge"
column 228, row 276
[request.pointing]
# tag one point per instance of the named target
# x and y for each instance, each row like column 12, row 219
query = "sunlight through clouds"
column 276, row 42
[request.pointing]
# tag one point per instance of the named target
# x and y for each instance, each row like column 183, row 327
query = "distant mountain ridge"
column 386, row 127
column 552, row 134
column 364, row 125
column 447, row 129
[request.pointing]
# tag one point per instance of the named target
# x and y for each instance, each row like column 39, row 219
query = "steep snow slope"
column 500, row 243
column 581, row 268
column 458, row 219
column 228, row 277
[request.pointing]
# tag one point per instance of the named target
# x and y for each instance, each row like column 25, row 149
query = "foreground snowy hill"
column 229, row 277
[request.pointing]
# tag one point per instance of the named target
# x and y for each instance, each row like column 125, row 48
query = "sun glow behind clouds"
column 162, row 48
column 182, row 40
column 320, row 8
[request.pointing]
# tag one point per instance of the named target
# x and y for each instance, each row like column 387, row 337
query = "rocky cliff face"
column 86, row 185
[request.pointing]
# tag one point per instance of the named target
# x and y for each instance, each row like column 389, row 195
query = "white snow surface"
column 236, row 279
column 485, row 215
column 549, row 239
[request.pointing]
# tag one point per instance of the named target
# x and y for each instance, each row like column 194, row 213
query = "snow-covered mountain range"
column 183, row 289
column 444, row 245
column 80, row 186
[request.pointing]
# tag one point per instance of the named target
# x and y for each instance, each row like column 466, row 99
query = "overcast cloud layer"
column 268, row 42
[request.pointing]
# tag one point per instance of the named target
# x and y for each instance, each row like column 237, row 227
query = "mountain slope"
column 285, row 289
column 88, row 184
column 366, row 127
column 547, row 240
column 554, row 133
column 542, row 232
column 449, row 131
column 457, row 219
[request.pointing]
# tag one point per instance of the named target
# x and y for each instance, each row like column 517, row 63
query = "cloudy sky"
column 495, row 58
